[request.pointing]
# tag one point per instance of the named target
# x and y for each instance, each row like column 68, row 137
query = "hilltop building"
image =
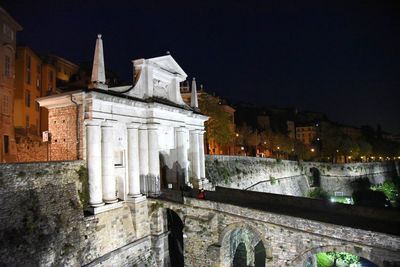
column 8, row 30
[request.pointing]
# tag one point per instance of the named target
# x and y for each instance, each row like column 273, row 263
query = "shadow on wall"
column 172, row 176
column 28, row 234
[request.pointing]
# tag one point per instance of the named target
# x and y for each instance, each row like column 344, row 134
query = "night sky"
column 341, row 57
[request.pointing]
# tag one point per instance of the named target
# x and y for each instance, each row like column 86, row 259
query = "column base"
column 111, row 201
column 136, row 198
column 95, row 205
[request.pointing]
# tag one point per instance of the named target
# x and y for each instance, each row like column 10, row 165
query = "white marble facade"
column 138, row 138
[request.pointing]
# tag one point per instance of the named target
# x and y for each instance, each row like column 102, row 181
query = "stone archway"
column 301, row 260
column 239, row 237
column 175, row 238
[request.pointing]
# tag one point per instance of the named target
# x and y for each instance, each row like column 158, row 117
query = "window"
column 27, row 98
column 8, row 32
column 51, row 76
column 119, row 158
column 37, row 106
column 6, row 144
column 6, row 105
column 38, row 74
column 7, row 66
column 28, row 69
column 27, row 121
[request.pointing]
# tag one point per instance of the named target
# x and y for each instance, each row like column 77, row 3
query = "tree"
column 219, row 126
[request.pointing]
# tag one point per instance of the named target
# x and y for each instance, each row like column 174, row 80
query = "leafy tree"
column 219, row 126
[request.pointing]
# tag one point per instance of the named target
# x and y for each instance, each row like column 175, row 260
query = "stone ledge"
column 135, row 199
column 106, row 207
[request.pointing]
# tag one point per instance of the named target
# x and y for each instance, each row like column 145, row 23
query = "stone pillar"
column 93, row 136
column 182, row 154
column 133, row 160
column 194, row 143
column 154, row 160
column 143, row 158
column 107, row 158
column 201, row 155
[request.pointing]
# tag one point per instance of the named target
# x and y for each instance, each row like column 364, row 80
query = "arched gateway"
column 122, row 131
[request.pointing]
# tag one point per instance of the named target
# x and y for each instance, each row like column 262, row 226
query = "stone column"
column 154, row 160
column 201, row 155
column 133, row 160
column 182, row 154
column 194, row 143
column 107, row 158
column 93, row 137
column 143, row 158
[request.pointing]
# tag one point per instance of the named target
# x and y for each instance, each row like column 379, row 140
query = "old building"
column 136, row 139
column 8, row 29
column 307, row 133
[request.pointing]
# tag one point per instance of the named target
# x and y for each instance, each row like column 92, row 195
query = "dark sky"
column 338, row 57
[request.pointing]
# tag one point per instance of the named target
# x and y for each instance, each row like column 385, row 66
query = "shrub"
column 389, row 189
column 318, row 193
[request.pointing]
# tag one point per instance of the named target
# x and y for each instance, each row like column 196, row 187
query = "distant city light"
column 237, row 135
column 278, row 148
column 312, row 149
column 242, row 148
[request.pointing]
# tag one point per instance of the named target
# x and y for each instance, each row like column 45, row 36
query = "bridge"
column 276, row 229
column 43, row 224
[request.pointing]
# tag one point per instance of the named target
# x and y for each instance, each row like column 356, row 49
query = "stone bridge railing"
column 291, row 228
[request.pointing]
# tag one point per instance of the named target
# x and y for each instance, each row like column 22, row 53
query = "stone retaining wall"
column 43, row 223
column 292, row 177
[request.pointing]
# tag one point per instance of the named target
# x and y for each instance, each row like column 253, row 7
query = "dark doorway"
column 175, row 239
column 316, row 177
column 259, row 255
column 240, row 258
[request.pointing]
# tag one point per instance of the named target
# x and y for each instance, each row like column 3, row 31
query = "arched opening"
column 337, row 259
column 175, row 239
column 239, row 238
column 316, row 177
column 240, row 257
column 330, row 256
column 259, row 255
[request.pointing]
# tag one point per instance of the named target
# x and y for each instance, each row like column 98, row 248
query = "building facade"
column 8, row 30
column 306, row 134
column 136, row 139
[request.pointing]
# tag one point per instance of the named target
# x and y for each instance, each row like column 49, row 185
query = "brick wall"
column 31, row 150
column 63, row 131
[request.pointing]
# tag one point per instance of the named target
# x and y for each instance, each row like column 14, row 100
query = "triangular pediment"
column 169, row 64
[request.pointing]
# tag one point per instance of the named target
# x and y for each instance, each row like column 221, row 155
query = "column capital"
column 89, row 122
column 133, row 125
column 152, row 125
column 107, row 124
column 180, row 128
